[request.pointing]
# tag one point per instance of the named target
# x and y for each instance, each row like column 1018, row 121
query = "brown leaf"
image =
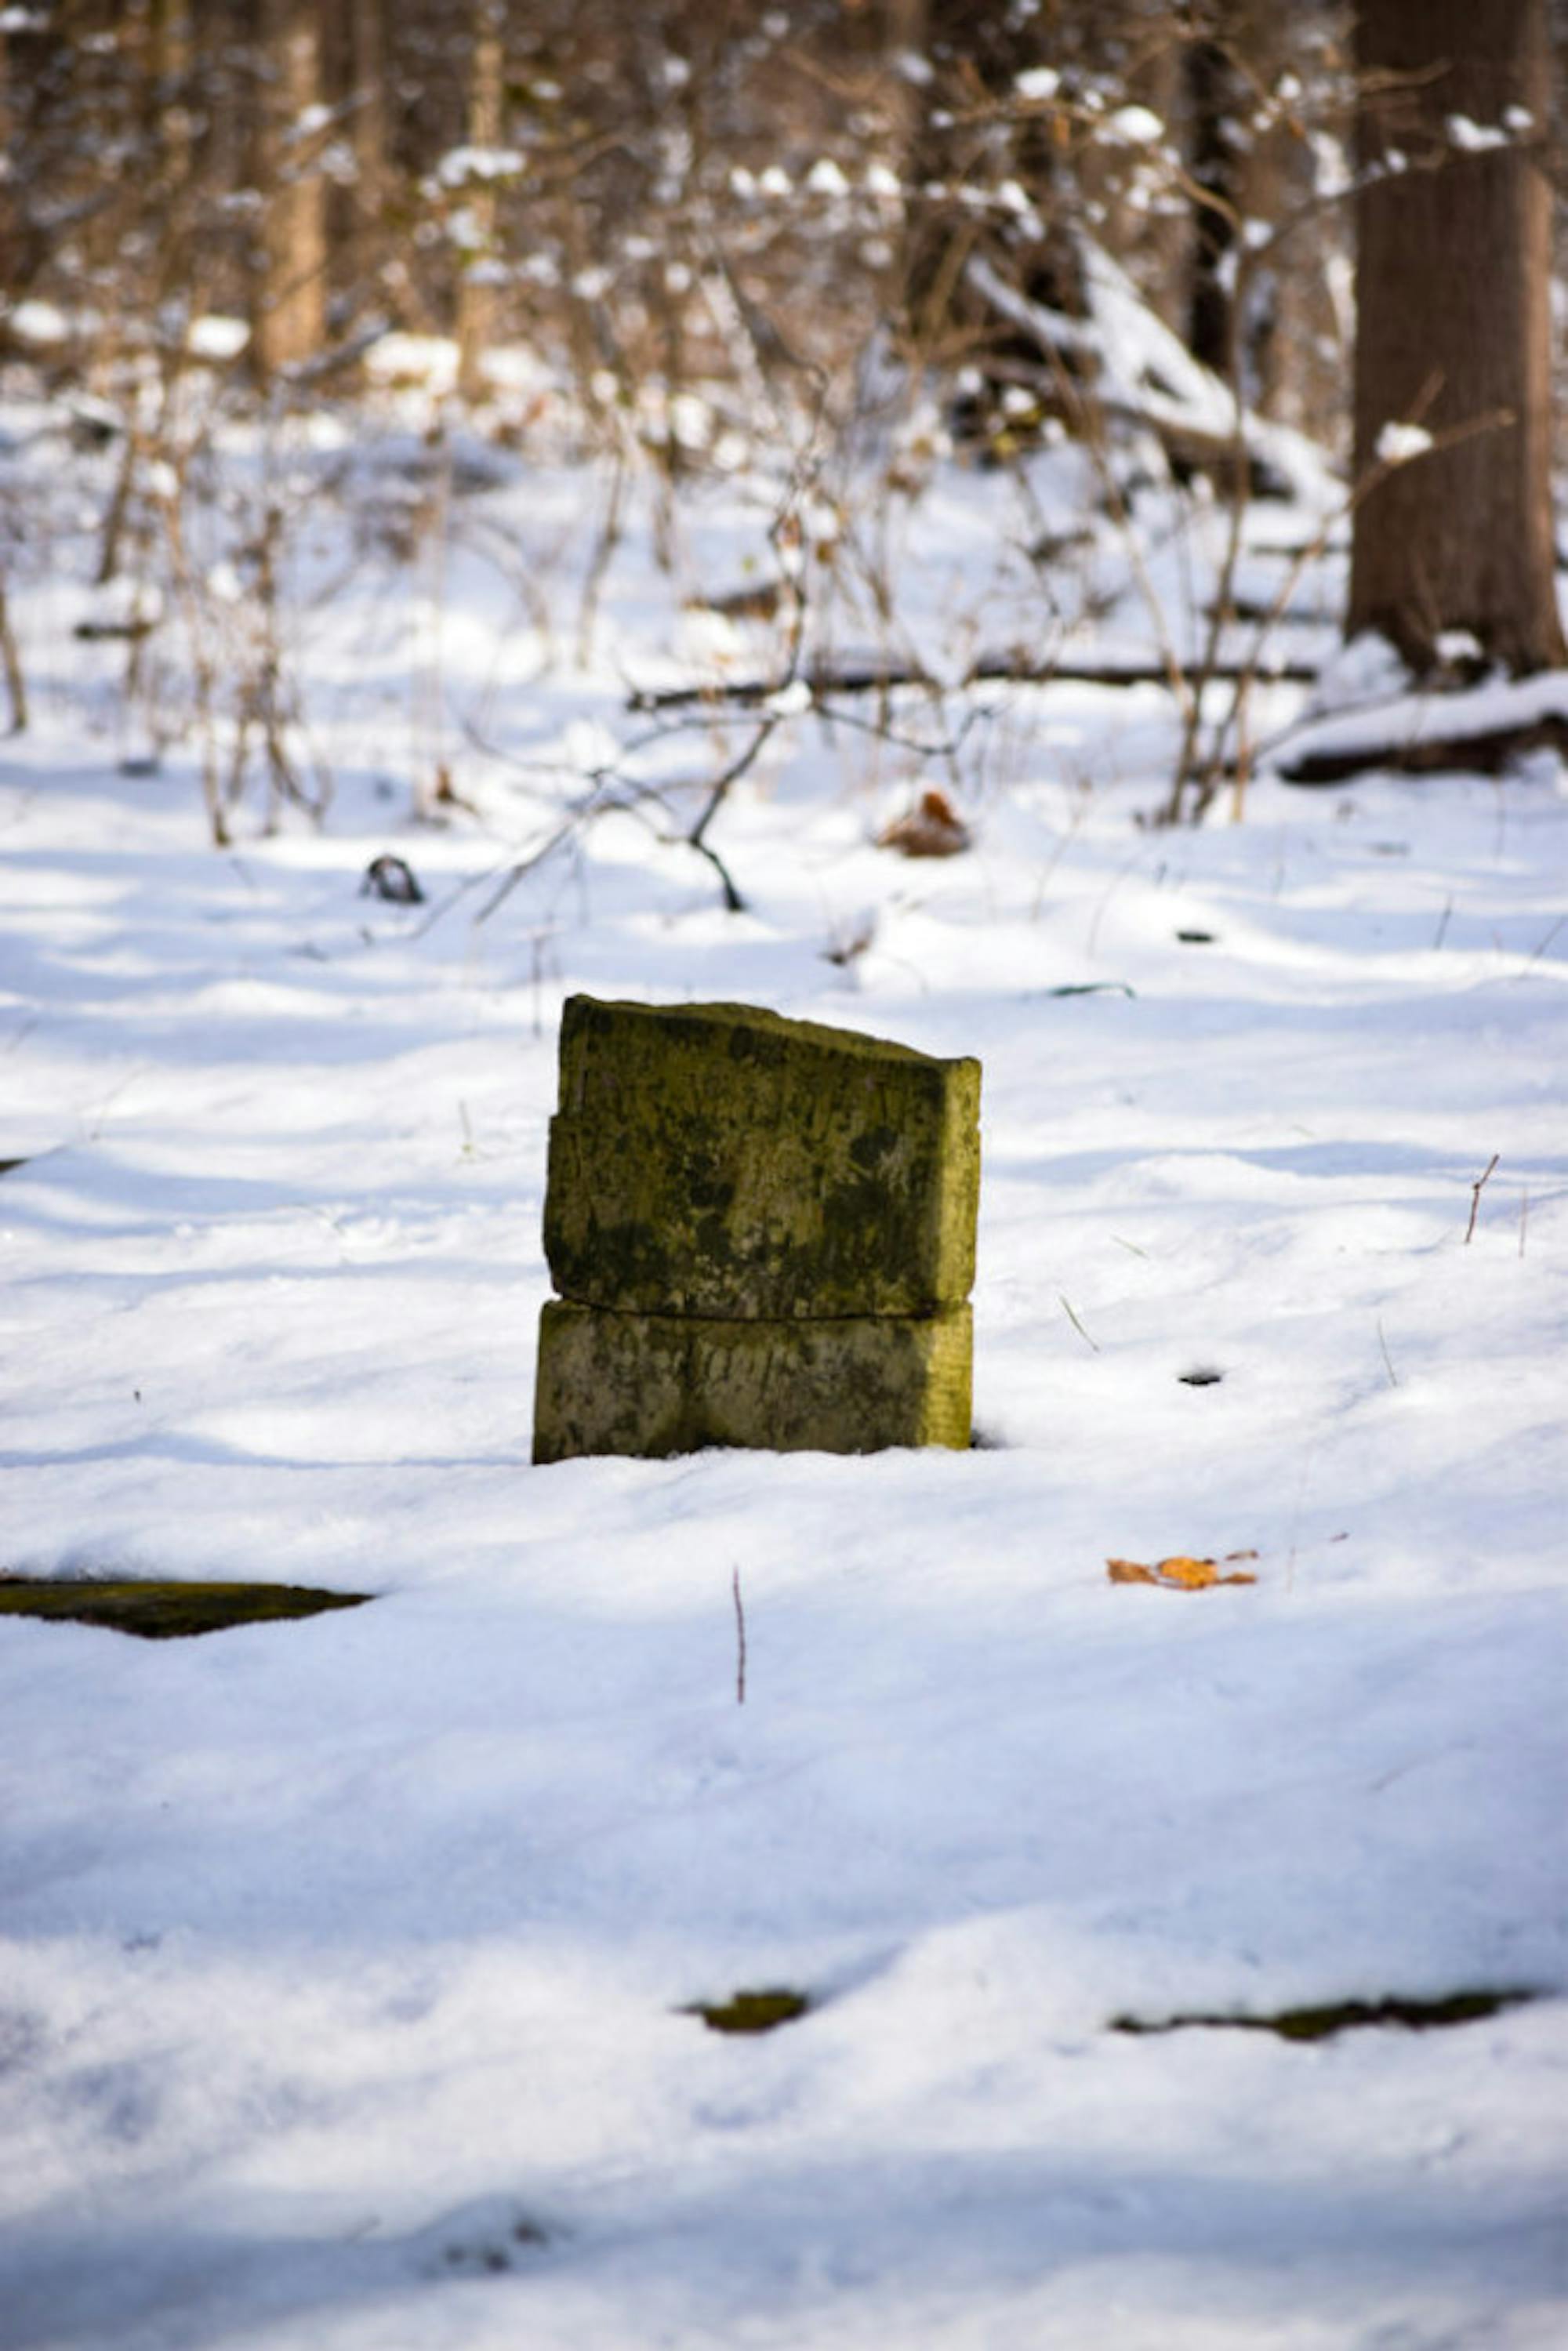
column 933, row 828
column 1127, row 1571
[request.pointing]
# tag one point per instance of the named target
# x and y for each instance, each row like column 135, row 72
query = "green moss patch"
column 751, row 2012
column 656, row 1384
column 1344, row 2016
column 165, row 1612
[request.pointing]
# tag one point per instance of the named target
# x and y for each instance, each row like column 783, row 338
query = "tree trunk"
column 1233, row 317
column 476, row 287
column 10, row 272
column 367, row 128
column 1454, row 328
column 1215, row 99
column 165, row 67
column 288, row 277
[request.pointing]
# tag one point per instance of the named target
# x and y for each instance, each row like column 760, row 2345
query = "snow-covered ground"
column 344, row 1961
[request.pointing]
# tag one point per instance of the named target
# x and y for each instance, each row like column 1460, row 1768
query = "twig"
column 739, row 1639
column 1476, row 1194
column 1545, row 943
column 1077, row 1325
column 1387, row 1358
column 885, row 732
column 515, row 875
column 608, row 541
column 719, row 791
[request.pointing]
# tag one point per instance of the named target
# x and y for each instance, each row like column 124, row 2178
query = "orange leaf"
column 1177, row 1573
column 1191, row 1574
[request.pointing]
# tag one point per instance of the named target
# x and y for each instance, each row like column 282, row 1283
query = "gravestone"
column 763, row 1234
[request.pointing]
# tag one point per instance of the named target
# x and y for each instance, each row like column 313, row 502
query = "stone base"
column 653, row 1385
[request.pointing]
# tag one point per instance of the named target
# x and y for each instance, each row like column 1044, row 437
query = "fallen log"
column 1486, row 751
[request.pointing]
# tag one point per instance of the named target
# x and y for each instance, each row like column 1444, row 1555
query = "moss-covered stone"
column 159, row 1611
column 716, row 1159
column 660, row 1383
column 752, row 2012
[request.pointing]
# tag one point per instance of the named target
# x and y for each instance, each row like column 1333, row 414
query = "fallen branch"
column 1188, row 408
column 826, row 679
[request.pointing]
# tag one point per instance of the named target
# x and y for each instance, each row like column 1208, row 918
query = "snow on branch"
column 1139, row 370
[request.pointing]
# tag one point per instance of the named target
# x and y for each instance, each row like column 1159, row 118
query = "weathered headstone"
column 763, row 1234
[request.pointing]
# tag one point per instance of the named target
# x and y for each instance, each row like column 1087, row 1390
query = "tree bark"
column 1454, row 327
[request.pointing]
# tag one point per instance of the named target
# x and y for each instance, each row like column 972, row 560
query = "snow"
column 345, row 1962
column 217, row 339
column 1134, row 126
column 468, row 166
column 1475, row 138
column 1397, row 443
column 33, row 321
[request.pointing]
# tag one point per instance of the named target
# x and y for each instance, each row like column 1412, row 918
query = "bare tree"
column 1454, row 228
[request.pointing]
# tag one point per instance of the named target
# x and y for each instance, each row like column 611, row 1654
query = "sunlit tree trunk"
column 1454, row 327
column 288, row 277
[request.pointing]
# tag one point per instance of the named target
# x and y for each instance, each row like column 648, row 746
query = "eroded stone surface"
column 716, row 1159
column 662, row 1383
